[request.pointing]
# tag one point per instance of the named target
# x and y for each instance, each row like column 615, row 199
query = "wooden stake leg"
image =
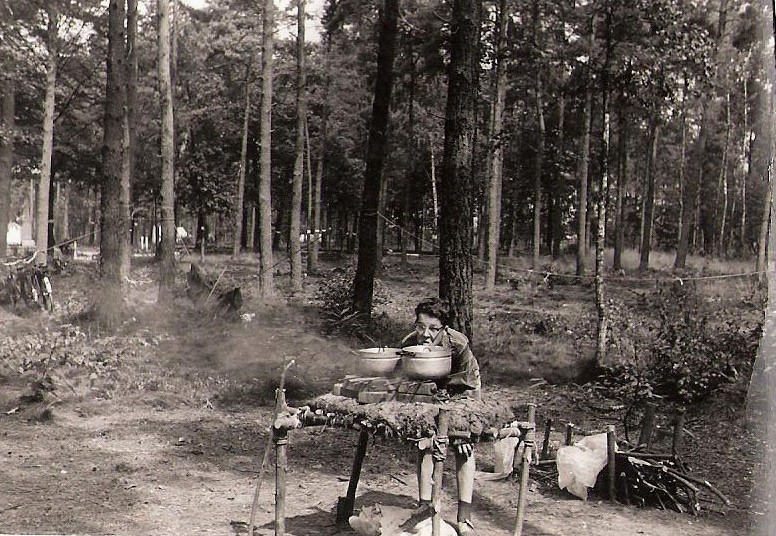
column 346, row 504
column 440, row 451
column 524, row 470
column 281, row 468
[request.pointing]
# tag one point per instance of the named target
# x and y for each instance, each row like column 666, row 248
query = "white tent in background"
column 13, row 236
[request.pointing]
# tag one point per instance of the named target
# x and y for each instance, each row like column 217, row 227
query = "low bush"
column 691, row 351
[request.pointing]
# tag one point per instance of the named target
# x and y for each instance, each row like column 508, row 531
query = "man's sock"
column 464, row 511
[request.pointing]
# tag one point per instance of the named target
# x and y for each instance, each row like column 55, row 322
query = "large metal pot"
column 379, row 361
column 426, row 362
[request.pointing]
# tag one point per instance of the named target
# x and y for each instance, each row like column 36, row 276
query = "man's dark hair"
column 434, row 307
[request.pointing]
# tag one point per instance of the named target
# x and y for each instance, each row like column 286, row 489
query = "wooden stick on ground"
column 439, row 452
column 528, row 442
column 611, row 443
column 546, row 442
column 569, row 433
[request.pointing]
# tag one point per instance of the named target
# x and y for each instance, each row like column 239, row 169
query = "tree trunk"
column 622, row 175
column 113, row 221
column 373, row 176
column 602, row 326
column 301, row 121
column 723, row 181
column 682, row 161
column 314, row 245
column 130, row 141
column 167, row 209
column 44, row 184
column 584, row 160
column 239, row 194
column 266, row 277
column 762, row 246
column 497, row 144
column 556, row 222
column 538, row 168
column 410, row 169
column 7, row 134
column 455, row 221
column 649, row 196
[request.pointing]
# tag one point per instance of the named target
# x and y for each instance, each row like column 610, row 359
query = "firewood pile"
column 663, row 481
column 477, row 420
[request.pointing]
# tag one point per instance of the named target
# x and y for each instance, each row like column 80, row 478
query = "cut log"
column 217, row 293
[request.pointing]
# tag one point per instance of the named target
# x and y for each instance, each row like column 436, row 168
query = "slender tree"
column 7, row 134
column 266, row 277
column 497, row 147
column 301, row 121
column 44, row 182
column 167, row 209
column 456, row 192
column 584, row 159
column 366, row 267
column 649, row 196
column 239, row 194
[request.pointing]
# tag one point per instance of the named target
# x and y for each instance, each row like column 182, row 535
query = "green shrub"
column 693, row 350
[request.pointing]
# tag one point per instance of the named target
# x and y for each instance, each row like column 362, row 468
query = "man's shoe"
column 465, row 528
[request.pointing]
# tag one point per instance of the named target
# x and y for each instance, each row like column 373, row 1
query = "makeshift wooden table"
column 457, row 419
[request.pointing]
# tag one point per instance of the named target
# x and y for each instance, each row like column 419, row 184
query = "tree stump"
column 217, row 293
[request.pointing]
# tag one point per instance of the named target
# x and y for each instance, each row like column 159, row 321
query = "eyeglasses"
column 421, row 328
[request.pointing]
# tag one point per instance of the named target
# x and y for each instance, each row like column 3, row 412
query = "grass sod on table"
column 482, row 419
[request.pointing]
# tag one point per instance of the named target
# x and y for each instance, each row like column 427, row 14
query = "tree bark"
column 455, row 221
column 584, row 160
column 130, row 141
column 266, row 277
column 723, row 180
column 301, row 121
column 497, row 151
column 366, row 266
column 239, row 194
column 314, row 245
column 410, row 169
column 7, row 134
column 44, row 184
column 622, row 176
column 167, row 244
column 602, row 326
column 113, row 221
column 649, row 196
column 538, row 169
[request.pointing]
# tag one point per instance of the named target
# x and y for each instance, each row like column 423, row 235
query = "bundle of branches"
column 662, row 481
column 478, row 419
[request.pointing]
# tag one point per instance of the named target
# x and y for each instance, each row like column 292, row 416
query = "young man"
column 431, row 319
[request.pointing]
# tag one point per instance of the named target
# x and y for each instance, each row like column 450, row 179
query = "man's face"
column 427, row 328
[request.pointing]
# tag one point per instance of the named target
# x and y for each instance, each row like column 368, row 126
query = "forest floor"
column 160, row 427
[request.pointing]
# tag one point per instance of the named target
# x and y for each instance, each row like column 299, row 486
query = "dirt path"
column 174, row 445
column 127, row 469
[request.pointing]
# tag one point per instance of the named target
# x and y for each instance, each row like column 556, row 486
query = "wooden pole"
column 569, row 433
column 676, row 444
column 524, row 471
column 647, row 425
column 281, row 468
column 439, row 452
column 346, row 504
column 611, row 442
column 546, row 442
